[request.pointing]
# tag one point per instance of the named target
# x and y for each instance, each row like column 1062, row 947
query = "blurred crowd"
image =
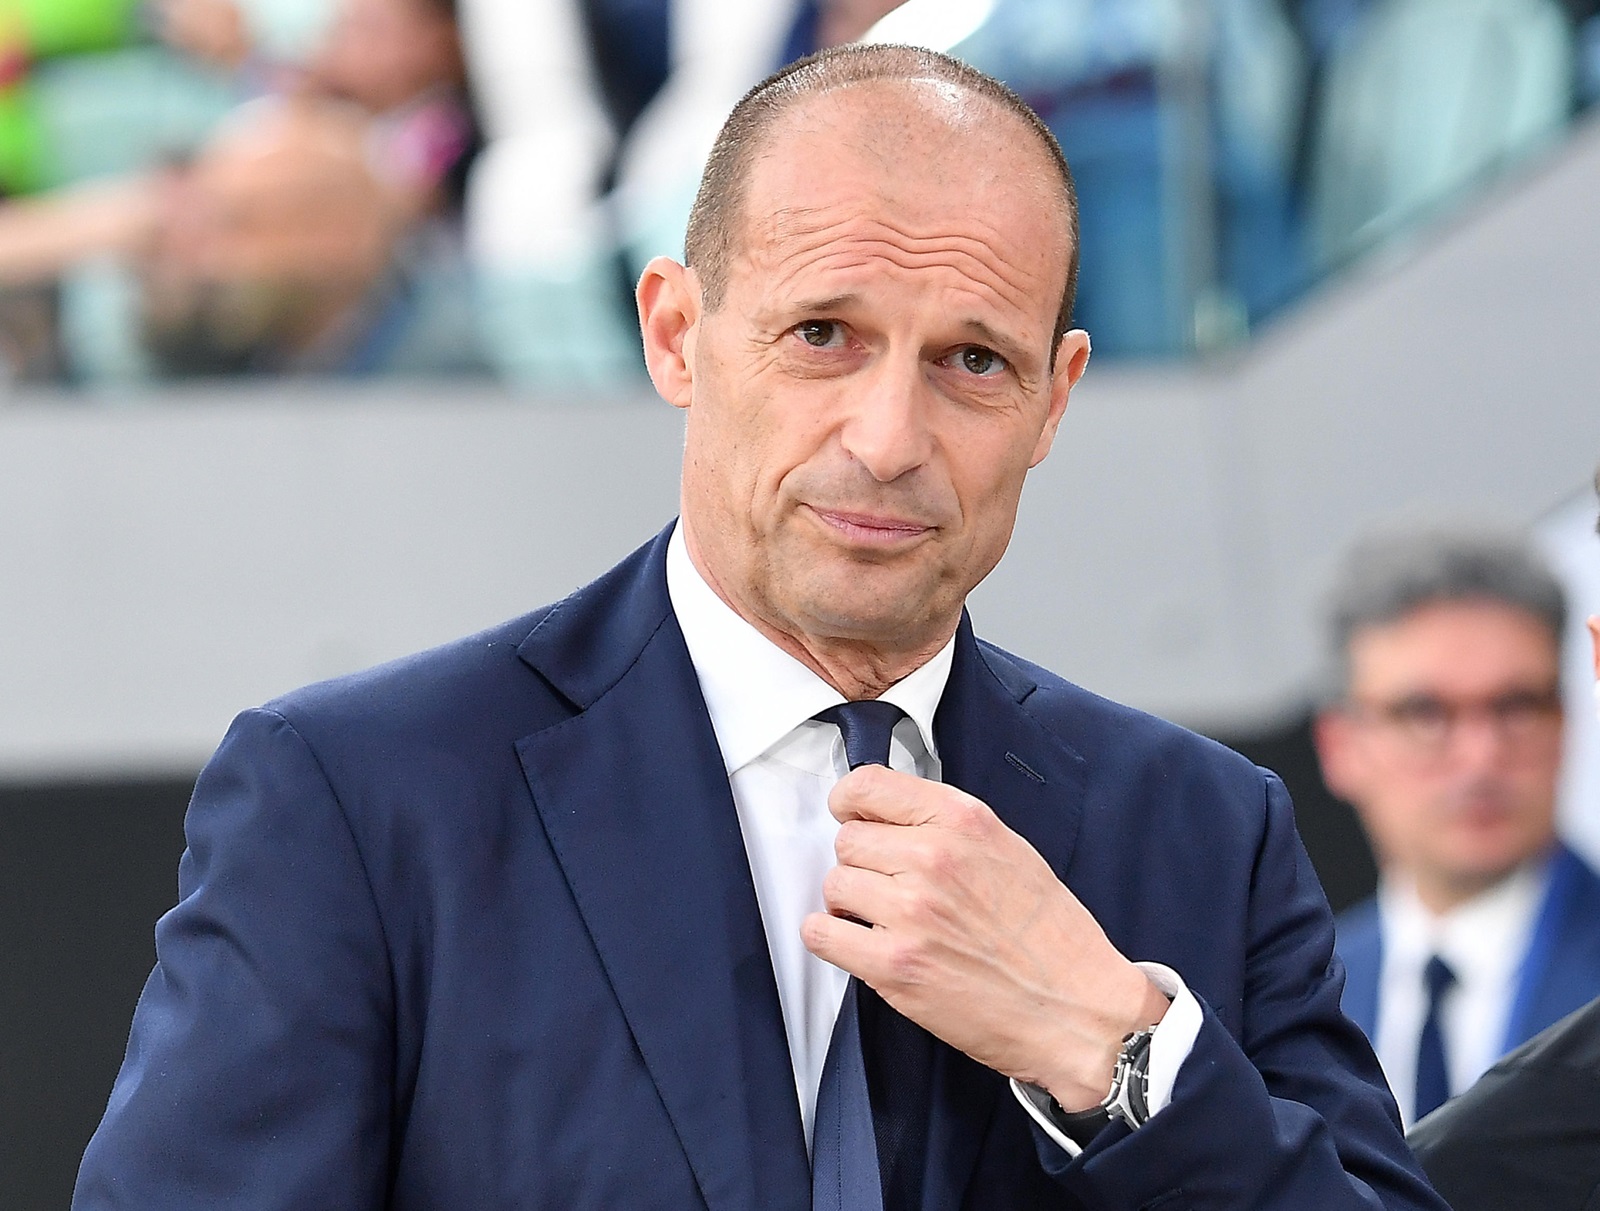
column 350, row 187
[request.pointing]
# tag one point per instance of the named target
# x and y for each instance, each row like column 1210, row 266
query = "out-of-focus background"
column 317, row 347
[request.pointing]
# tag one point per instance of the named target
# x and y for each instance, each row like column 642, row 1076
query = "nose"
column 1478, row 741
column 887, row 429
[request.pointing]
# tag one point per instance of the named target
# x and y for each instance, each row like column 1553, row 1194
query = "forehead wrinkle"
column 962, row 254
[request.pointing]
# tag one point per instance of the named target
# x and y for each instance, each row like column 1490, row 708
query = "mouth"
column 872, row 529
column 1481, row 811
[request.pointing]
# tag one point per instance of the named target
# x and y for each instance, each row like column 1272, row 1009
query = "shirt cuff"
column 1170, row 1044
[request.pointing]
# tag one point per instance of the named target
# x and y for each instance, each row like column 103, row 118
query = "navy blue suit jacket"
column 1560, row 972
column 476, row 931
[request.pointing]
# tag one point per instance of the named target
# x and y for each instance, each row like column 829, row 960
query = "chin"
column 888, row 631
column 874, row 621
column 1487, row 869
column 856, row 604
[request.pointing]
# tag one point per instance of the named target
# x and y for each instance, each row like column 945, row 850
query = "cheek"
column 1396, row 825
column 791, row 455
column 1396, row 803
column 988, row 486
column 739, row 463
column 708, row 472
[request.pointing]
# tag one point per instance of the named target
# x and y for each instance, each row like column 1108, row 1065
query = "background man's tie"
column 1433, row 1070
column 869, row 1142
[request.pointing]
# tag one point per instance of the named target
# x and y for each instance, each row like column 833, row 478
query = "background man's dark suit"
column 476, row 930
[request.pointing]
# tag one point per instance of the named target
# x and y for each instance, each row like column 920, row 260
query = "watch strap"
column 1128, row 1098
column 1080, row 1126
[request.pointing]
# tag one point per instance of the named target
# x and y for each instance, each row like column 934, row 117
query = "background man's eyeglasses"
column 1426, row 722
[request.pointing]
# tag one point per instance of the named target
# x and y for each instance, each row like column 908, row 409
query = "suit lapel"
column 1553, row 979
column 993, row 748
column 632, row 794
column 1360, row 948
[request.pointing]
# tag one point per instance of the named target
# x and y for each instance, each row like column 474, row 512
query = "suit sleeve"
column 1291, row 1114
column 259, row 1068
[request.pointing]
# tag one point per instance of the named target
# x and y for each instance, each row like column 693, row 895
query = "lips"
column 873, row 528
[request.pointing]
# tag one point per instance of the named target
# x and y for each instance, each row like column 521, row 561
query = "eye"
column 985, row 363
column 1420, row 713
column 820, row 334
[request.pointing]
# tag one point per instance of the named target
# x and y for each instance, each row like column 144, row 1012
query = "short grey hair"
column 1387, row 576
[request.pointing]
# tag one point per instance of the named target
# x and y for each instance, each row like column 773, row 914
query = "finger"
column 847, row 945
column 864, row 895
column 872, row 845
column 873, row 792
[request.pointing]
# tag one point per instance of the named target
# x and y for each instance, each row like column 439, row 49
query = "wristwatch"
column 1128, row 1099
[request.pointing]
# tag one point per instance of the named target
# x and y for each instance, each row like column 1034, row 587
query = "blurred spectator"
column 84, row 92
column 1446, row 738
column 299, row 240
column 1527, row 1136
column 1227, row 152
column 264, row 249
column 241, row 34
column 599, row 114
column 1422, row 99
column 281, row 249
column 1179, row 121
column 540, row 233
column 658, row 166
column 32, row 33
column 305, row 235
column 212, row 30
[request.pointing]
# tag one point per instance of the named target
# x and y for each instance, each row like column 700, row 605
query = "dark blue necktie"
column 866, row 727
column 869, row 1142
column 1433, row 1070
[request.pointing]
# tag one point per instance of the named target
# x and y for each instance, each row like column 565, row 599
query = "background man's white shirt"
column 1483, row 941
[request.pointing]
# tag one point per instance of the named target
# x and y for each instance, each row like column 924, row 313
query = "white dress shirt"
column 1484, row 942
column 781, row 765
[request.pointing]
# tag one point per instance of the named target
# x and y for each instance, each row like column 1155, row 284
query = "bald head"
column 718, row 223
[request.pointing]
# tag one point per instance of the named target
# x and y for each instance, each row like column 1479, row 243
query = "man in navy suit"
column 1447, row 739
column 575, row 913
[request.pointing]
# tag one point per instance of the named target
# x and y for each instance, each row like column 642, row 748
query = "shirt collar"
column 756, row 692
column 1482, row 939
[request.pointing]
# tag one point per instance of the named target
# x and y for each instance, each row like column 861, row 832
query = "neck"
column 1442, row 896
column 856, row 670
column 1442, row 893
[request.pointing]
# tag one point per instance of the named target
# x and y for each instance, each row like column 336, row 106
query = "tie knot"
column 1438, row 977
column 866, row 727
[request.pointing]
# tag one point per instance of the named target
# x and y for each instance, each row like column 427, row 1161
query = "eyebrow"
column 834, row 302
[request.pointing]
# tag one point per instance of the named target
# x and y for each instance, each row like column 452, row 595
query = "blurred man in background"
column 1446, row 738
column 1527, row 1136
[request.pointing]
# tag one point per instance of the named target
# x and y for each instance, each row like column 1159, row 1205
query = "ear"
column 1334, row 734
column 1594, row 634
column 669, row 313
column 1072, row 358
